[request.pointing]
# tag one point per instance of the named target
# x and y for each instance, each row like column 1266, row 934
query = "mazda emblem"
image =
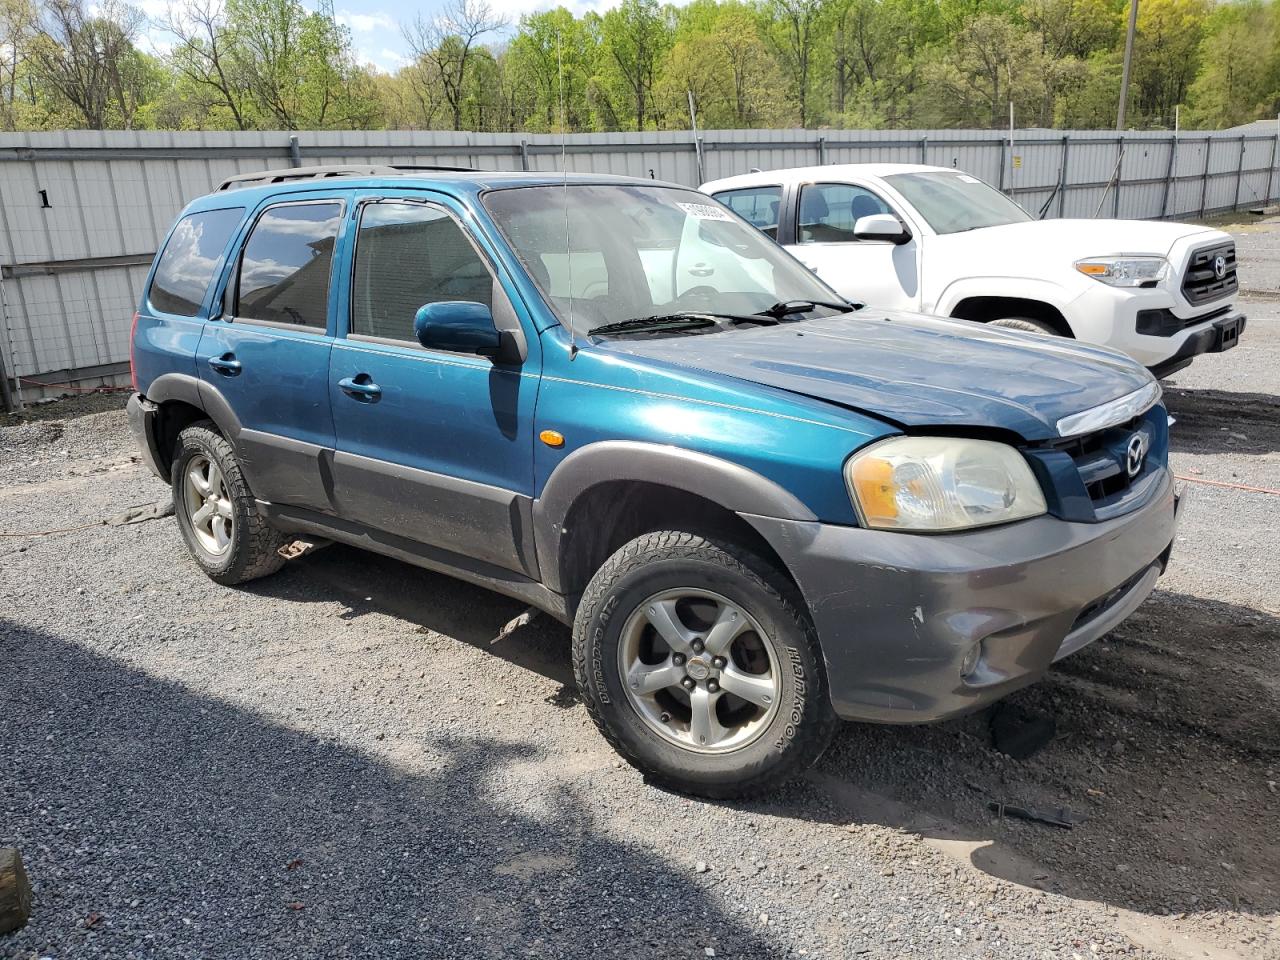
column 1135, row 454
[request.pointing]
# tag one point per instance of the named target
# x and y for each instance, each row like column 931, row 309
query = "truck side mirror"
column 882, row 226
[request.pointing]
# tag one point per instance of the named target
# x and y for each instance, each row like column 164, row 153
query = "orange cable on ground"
column 1233, row 486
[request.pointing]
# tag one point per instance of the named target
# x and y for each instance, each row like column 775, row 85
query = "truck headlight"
column 1125, row 271
column 931, row 484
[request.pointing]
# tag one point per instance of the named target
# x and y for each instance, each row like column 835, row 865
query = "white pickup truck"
column 937, row 240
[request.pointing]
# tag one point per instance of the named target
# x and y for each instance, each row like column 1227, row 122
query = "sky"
column 375, row 24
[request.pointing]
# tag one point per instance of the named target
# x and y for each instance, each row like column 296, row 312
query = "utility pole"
column 1128, row 63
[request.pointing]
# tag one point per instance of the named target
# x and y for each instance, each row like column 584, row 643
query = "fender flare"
column 188, row 389
column 1044, row 291
column 733, row 486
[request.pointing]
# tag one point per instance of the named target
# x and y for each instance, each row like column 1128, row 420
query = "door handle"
column 227, row 365
column 361, row 387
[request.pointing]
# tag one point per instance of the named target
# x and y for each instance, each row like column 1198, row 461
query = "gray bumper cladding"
column 898, row 614
column 141, row 414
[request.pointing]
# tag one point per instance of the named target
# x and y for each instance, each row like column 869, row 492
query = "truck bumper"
column 142, row 413
column 917, row 628
column 1222, row 334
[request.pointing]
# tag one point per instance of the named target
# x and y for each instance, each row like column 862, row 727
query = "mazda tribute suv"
column 760, row 507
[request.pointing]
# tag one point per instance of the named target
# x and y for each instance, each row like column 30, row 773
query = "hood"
column 912, row 370
column 1092, row 238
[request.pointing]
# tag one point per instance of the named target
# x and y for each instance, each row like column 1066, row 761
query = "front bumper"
column 142, row 414
column 1222, row 334
column 898, row 613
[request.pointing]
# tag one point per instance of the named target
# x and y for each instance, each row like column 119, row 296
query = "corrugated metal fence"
column 82, row 212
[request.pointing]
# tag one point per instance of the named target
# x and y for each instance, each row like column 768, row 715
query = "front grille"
column 1201, row 282
column 1089, row 475
column 1105, row 602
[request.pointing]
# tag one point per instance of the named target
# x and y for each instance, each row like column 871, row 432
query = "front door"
column 875, row 272
column 268, row 356
column 433, row 446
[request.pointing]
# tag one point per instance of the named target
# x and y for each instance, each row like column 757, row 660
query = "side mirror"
column 881, row 226
column 463, row 326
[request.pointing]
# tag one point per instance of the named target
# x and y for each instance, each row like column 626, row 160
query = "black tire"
column 1028, row 324
column 253, row 548
column 798, row 730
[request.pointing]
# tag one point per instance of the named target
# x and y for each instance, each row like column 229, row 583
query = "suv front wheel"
column 216, row 512
column 699, row 668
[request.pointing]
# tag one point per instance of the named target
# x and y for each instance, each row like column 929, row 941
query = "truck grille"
column 1201, row 282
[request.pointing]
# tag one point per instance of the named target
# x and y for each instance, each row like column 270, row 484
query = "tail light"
column 133, row 352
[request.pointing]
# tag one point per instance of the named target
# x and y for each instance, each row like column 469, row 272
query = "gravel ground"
column 340, row 762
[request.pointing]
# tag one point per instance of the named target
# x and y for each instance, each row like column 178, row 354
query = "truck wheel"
column 216, row 513
column 699, row 667
column 1027, row 324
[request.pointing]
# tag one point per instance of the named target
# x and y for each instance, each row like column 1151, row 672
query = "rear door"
column 432, row 445
column 877, row 272
column 269, row 354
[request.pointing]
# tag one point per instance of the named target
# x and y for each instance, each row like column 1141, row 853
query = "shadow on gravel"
column 195, row 829
column 369, row 583
column 1216, row 421
column 1168, row 744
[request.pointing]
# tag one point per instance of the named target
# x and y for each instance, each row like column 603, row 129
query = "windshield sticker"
column 705, row 211
column 966, row 178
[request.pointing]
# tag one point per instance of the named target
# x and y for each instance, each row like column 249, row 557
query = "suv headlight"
column 1125, row 271
column 941, row 483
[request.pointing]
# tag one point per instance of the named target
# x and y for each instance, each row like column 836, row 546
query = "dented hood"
column 914, row 371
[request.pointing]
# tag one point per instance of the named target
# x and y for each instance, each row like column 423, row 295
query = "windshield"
column 955, row 202
column 640, row 251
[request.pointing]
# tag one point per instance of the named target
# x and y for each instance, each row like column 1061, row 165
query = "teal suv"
column 760, row 507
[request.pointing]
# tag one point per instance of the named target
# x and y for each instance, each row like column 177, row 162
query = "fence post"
column 1062, row 184
column 1115, row 199
column 1004, row 149
column 924, row 150
column 1271, row 170
column 1204, row 179
column 1235, row 204
column 6, row 395
column 524, row 154
column 295, row 151
column 1168, row 176
column 822, row 151
column 10, row 395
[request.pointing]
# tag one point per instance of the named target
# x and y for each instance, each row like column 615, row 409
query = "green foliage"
column 271, row 64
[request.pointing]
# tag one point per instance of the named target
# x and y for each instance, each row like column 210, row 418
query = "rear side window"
column 408, row 255
column 284, row 271
column 190, row 260
column 759, row 206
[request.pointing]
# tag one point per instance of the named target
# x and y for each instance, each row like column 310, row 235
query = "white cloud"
column 366, row 22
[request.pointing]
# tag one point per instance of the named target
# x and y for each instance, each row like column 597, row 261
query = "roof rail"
column 292, row 174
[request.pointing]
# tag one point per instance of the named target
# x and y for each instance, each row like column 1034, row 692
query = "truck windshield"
column 607, row 253
column 952, row 202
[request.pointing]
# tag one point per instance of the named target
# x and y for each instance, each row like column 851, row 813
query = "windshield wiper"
column 665, row 321
column 688, row 320
column 785, row 308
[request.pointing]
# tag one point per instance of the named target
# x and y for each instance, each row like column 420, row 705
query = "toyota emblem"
column 1135, row 454
column 1219, row 266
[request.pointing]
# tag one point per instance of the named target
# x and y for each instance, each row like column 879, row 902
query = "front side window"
column 605, row 253
column 829, row 211
column 408, row 255
column 953, row 202
column 190, row 259
column 758, row 206
column 285, row 267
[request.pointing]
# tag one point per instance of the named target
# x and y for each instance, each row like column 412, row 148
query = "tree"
column 552, row 51
column 1240, row 77
column 635, row 35
column 1166, row 55
column 90, row 59
column 205, row 54
column 446, row 46
column 794, row 25
column 17, row 26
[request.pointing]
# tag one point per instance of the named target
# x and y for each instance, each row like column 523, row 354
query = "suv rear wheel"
column 699, row 667
column 216, row 512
